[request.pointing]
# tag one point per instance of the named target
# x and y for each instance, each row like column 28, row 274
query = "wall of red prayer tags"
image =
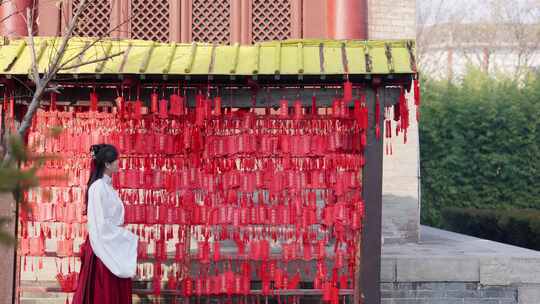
column 224, row 202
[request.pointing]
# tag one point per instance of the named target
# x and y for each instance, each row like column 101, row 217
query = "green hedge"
column 479, row 145
column 520, row 227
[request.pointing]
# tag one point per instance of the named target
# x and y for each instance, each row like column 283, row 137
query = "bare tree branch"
column 94, row 42
column 29, row 27
column 56, row 62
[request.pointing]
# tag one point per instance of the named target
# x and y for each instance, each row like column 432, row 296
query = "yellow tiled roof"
column 290, row 57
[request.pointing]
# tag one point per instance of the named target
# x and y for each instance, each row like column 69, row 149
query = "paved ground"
column 437, row 242
column 446, row 256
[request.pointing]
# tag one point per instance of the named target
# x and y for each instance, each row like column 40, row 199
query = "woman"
column 109, row 254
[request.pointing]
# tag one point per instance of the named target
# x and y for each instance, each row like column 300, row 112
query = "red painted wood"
column 12, row 17
column 347, row 19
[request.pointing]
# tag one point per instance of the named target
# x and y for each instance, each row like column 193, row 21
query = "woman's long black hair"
column 101, row 154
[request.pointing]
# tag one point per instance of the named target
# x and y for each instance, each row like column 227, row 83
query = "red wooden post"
column 13, row 16
column 346, row 19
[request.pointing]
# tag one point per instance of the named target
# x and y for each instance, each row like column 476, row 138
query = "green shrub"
column 520, row 227
column 479, row 145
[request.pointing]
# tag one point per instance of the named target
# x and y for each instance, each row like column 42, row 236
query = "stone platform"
column 446, row 267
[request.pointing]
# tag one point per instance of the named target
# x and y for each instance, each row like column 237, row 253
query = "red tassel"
column 404, row 114
column 347, row 91
column 5, row 104
column 217, row 105
column 54, row 97
column 283, row 108
column 137, row 111
column 327, row 291
column 12, row 106
column 120, row 106
column 163, row 109
column 93, row 101
column 200, row 109
column 416, row 92
column 336, row 108
column 176, row 105
column 388, row 130
column 216, row 251
column 208, row 107
column 298, row 109
column 171, row 284
column 154, row 102
column 314, row 105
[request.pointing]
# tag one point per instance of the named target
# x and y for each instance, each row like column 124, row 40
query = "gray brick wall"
column 392, row 19
column 396, row 19
column 447, row 293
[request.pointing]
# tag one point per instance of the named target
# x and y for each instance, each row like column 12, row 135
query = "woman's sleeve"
column 115, row 246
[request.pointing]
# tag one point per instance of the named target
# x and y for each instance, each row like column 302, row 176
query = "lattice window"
column 150, row 20
column 271, row 20
column 94, row 20
column 211, row 21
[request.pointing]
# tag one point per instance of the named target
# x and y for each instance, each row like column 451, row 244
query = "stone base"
column 446, row 267
column 447, row 292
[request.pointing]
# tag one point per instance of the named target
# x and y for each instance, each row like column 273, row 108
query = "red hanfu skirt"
column 97, row 284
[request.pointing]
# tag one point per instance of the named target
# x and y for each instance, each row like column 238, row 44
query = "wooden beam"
column 106, row 53
column 146, row 59
column 234, row 63
column 191, row 58
column 277, row 58
column 300, row 58
column 256, row 60
column 242, row 96
column 170, row 58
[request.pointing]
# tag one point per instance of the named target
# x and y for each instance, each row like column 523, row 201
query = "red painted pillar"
column 346, row 19
column 13, row 15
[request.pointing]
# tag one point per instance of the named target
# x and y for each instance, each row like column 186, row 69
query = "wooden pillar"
column 13, row 16
column 236, row 21
column 49, row 14
column 346, row 19
column 7, row 252
column 296, row 19
column 240, row 21
column 370, row 266
column 175, row 24
column 245, row 22
column 186, row 9
column 120, row 19
column 312, row 13
column 67, row 12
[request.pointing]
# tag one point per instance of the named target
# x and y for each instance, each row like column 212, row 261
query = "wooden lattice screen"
column 150, row 20
column 271, row 20
column 94, row 20
column 211, row 21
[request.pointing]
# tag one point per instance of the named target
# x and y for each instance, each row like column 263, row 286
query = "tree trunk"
column 7, row 252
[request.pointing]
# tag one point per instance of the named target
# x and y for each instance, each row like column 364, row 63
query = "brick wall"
column 447, row 293
column 392, row 19
column 396, row 19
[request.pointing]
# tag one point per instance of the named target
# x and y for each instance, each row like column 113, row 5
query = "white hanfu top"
column 115, row 246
